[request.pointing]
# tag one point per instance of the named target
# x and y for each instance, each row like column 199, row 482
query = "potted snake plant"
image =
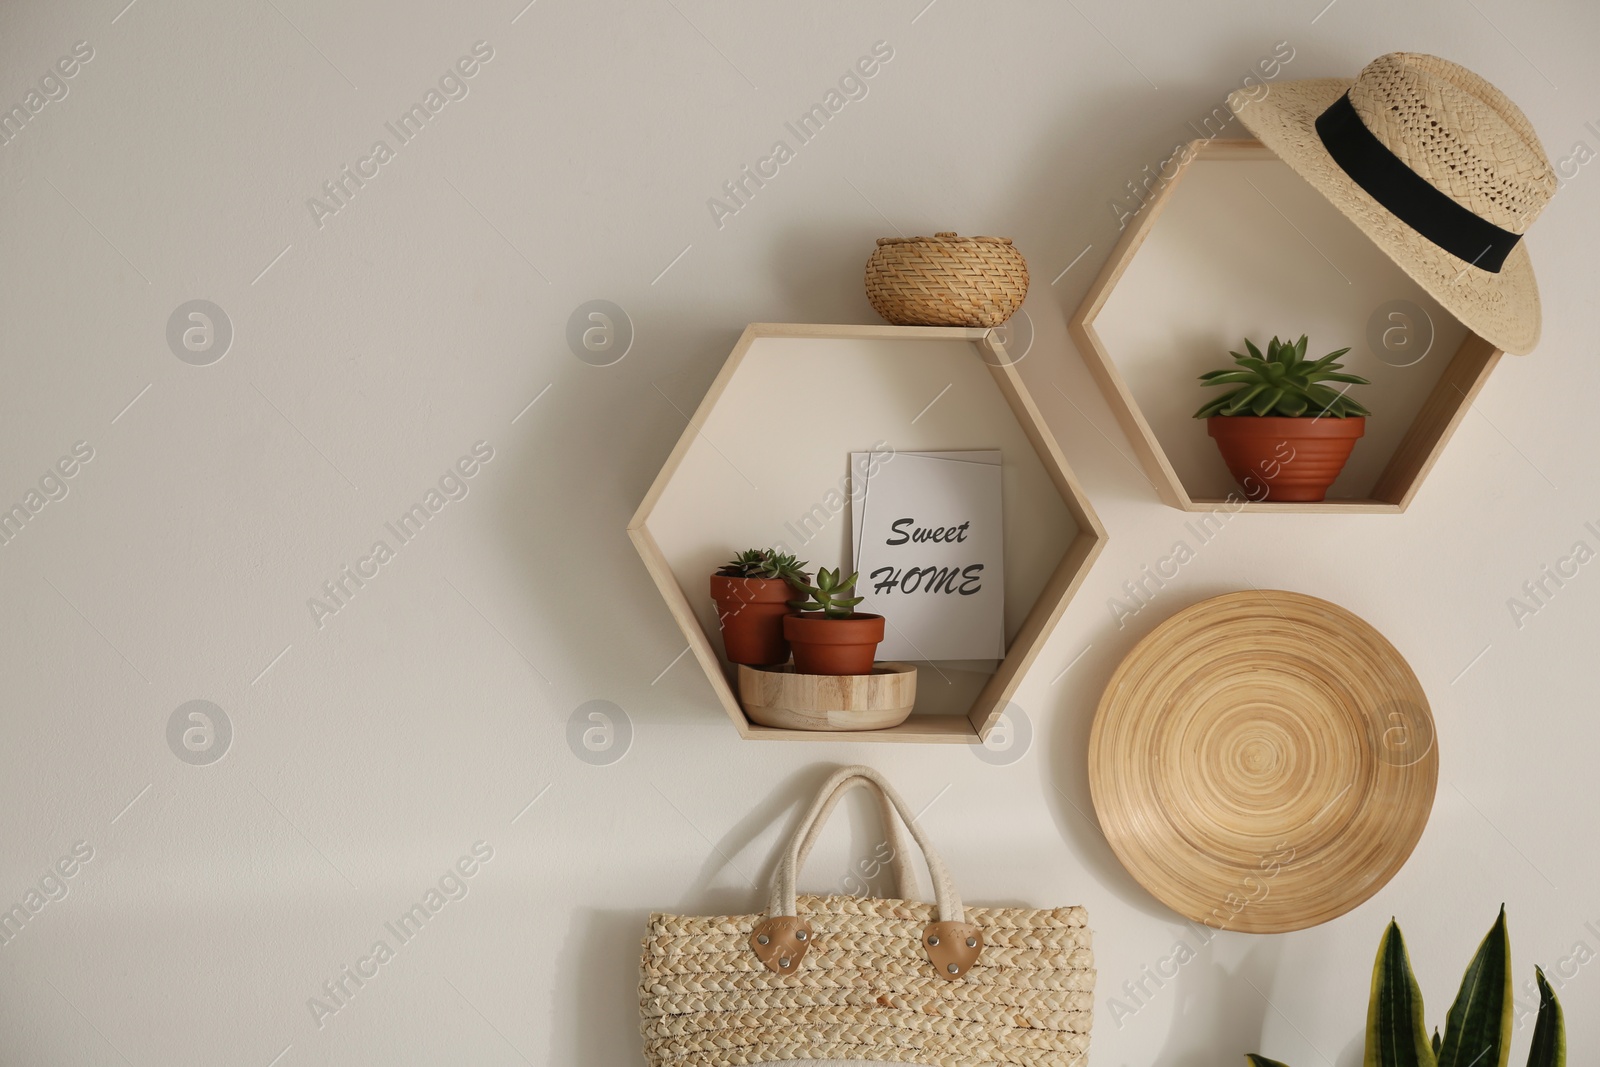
column 1283, row 432
column 829, row 636
column 1478, row 1029
column 752, row 593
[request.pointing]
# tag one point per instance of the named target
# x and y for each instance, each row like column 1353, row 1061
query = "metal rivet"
column 784, row 962
column 953, row 969
column 762, row 939
column 799, row 935
column 934, row 940
column 972, row 942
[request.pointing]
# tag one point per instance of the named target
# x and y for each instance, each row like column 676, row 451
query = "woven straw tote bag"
column 826, row 980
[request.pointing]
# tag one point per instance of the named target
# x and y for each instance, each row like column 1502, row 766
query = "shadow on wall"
column 701, row 898
column 608, row 463
column 611, row 429
column 1075, row 410
column 1073, row 805
column 1108, row 152
column 856, row 819
column 599, row 1000
column 1100, row 148
column 1220, row 1010
column 823, row 268
column 596, row 1001
column 1078, row 699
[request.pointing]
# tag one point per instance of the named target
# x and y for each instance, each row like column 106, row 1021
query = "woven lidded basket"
column 946, row 280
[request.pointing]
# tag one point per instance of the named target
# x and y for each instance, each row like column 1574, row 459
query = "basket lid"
column 943, row 238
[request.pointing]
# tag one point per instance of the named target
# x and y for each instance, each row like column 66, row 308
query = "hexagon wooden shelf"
column 1244, row 239
column 760, row 465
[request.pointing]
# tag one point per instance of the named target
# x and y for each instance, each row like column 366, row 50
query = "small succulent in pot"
column 829, row 636
column 1283, row 432
column 752, row 592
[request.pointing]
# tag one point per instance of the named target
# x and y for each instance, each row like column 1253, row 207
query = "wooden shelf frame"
column 1420, row 448
column 1037, row 625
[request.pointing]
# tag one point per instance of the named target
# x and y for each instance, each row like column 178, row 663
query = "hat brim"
column 1501, row 307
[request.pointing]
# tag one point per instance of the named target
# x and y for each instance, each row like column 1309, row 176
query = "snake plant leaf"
column 1477, row 1032
column 1436, row 1041
column 1550, row 1031
column 1255, row 1060
column 1396, row 1036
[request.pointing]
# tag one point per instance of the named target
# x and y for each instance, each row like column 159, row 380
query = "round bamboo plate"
column 777, row 696
column 1263, row 761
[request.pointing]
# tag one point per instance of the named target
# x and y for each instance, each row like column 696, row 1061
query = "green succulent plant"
column 1477, row 1031
column 766, row 563
column 830, row 595
column 1282, row 383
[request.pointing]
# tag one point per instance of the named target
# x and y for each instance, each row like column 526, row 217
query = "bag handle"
column 782, row 939
column 905, row 880
column 781, row 902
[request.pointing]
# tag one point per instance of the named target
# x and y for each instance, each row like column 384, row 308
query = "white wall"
column 371, row 752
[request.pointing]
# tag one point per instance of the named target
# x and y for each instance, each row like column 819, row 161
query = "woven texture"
column 866, row 991
column 864, row 987
column 1460, row 134
column 945, row 280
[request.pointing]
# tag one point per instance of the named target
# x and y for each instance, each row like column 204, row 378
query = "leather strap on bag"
column 781, row 940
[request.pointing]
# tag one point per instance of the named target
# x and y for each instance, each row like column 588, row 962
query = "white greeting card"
column 929, row 548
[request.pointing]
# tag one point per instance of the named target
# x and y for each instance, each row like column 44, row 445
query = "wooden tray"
column 1263, row 761
column 777, row 696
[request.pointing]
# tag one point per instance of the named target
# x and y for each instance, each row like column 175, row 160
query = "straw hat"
column 1435, row 165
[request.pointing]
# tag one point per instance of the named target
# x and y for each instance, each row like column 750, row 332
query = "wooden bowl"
column 777, row 696
column 1263, row 761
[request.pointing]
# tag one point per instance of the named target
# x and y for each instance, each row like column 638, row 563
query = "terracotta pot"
column 751, row 611
column 833, row 646
column 1282, row 459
